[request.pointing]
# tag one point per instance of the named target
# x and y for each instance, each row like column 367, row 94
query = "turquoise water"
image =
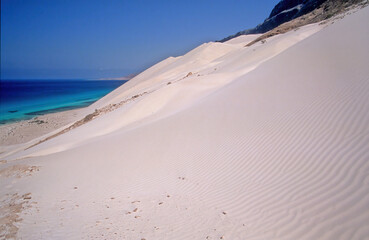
column 23, row 99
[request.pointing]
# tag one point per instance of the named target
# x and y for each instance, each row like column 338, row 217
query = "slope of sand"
column 264, row 142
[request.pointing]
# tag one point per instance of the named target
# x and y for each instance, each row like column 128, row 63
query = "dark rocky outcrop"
column 302, row 7
column 287, row 10
column 326, row 10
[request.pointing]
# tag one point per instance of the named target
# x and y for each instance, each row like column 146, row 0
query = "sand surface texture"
column 225, row 142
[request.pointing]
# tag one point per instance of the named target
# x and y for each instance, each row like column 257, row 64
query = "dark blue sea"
column 25, row 99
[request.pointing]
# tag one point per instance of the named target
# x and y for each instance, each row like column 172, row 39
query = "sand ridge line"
column 90, row 117
column 318, row 15
column 109, row 108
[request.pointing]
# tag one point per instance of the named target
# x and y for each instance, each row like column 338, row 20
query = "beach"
column 229, row 141
column 26, row 130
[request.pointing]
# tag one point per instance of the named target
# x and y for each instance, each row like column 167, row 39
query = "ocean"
column 25, row 99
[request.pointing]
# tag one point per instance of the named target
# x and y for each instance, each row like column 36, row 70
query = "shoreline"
column 37, row 114
column 26, row 99
column 25, row 130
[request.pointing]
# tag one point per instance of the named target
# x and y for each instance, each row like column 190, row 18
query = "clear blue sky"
column 59, row 39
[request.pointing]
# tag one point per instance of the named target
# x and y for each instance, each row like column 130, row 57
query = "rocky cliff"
column 287, row 10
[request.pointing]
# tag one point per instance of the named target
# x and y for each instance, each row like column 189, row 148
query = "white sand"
column 26, row 130
column 264, row 142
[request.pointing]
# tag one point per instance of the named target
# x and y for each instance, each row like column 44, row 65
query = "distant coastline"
column 26, row 99
column 125, row 78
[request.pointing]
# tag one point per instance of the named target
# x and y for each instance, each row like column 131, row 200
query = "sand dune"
column 262, row 142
